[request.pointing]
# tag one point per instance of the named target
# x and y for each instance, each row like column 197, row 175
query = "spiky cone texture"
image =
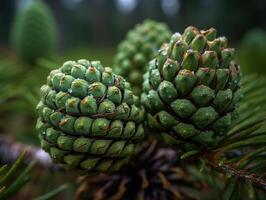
column 154, row 174
column 139, row 47
column 89, row 119
column 33, row 33
column 192, row 89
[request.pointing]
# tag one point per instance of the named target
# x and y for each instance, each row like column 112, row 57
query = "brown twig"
column 238, row 174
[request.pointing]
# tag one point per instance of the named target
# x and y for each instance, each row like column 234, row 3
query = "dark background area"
column 105, row 22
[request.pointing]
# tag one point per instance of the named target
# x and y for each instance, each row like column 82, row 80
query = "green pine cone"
column 89, row 119
column 140, row 46
column 33, row 34
column 191, row 90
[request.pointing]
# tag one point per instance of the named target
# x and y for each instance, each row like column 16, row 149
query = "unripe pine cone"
column 140, row 46
column 191, row 90
column 89, row 119
column 34, row 33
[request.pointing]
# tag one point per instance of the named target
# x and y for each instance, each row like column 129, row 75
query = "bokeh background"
column 92, row 29
column 103, row 23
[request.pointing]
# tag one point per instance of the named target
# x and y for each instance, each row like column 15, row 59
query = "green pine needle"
column 7, row 191
column 13, row 169
column 53, row 193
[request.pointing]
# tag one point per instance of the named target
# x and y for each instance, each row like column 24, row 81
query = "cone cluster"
column 89, row 119
column 140, row 46
column 191, row 89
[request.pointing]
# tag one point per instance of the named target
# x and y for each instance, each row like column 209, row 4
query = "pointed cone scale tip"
column 189, row 33
column 210, row 34
column 198, row 43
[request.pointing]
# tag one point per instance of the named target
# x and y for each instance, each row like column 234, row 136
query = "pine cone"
column 89, row 119
column 191, row 90
column 154, row 174
column 140, row 46
column 33, row 33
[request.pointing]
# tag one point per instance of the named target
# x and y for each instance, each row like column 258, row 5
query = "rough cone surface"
column 89, row 119
column 191, row 90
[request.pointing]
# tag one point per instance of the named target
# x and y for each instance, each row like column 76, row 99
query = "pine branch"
column 10, row 151
column 232, row 171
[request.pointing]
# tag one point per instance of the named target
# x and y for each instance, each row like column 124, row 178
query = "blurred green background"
column 92, row 29
column 95, row 25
